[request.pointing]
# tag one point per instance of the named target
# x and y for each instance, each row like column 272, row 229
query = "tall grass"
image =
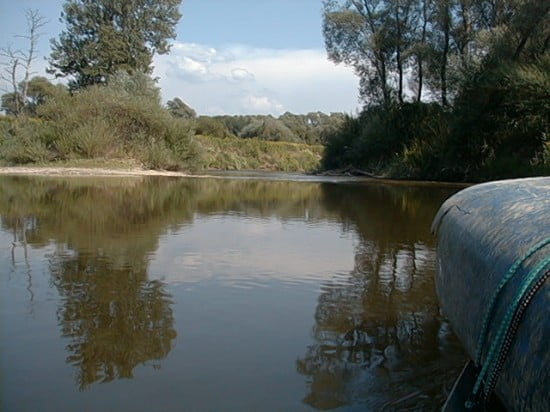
column 234, row 153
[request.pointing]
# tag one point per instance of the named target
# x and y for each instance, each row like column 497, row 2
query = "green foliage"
column 24, row 141
column 234, row 153
column 39, row 90
column 108, row 36
column 11, row 102
column 110, row 121
column 380, row 135
column 235, row 123
column 489, row 66
column 179, row 109
column 209, row 126
column 135, row 85
column 311, row 128
column 433, row 44
column 269, row 129
column 157, row 155
column 504, row 113
column 93, row 138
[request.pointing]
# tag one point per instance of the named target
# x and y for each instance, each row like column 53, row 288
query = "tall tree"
column 377, row 39
column 106, row 36
column 422, row 17
column 357, row 33
column 401, row 18
column 443, row 21
column 34, row 23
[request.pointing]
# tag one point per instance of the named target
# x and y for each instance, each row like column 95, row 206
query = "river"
column 211, row 294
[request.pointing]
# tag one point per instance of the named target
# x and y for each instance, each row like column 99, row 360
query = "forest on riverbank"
column 453, row 90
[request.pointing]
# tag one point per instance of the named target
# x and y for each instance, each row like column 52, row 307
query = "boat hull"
column 481, row 232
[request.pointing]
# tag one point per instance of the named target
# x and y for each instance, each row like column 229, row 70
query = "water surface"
column 241, row 294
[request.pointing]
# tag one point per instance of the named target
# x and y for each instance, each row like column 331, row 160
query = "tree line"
column 424, row 50
column 310, row 128
column 452, row 89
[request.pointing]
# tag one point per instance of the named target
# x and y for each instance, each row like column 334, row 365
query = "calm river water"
column 169, row 294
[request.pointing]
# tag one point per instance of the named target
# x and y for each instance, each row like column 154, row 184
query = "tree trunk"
column 14, row 86
column 398, row 42
column 445, row 52
column 420, row 56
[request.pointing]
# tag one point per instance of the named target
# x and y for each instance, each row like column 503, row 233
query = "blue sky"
column 231, row 56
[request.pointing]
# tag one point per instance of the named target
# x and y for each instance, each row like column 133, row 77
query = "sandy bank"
column 85, row 171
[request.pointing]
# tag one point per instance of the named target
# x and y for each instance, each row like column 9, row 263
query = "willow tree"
column 356, row 34
column 106, row 36
column 375, row 37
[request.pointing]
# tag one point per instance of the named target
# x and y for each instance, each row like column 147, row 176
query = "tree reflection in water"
column 377, row 331
column 113, row 316
column 379, row 339
column 103, row 231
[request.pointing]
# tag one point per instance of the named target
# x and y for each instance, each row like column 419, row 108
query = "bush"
column 269, row 129
column 208, row 126
column 245, row 154
column 502, row 119
column 94, row 138
column 399, row 138
column 23, row 141
column 120, row 118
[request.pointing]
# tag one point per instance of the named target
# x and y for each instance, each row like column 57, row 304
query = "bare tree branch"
column 9, row 73
column 34, row 23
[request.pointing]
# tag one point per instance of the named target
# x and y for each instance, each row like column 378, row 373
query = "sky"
column 229, row 56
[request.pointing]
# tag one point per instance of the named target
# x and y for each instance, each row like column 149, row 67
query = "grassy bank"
column 212, row 153
column 124, row 125
column 232, row 153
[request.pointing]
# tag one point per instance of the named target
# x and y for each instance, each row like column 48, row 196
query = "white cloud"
column 242, row 80
column 240, row 75
column 262, row 105
column 192, row 69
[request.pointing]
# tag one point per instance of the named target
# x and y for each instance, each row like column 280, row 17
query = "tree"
column 375, row 37
column 419, row 49
column 11, row 103
column 401, row 39
column 179, row 109
column 442, row 44
column 34, row 23
column 38, row 91
column 356, row 33
column 107, row 36
column 15, row 101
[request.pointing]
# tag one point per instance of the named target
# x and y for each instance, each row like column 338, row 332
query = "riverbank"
column 115, row 169
column 84, row 171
